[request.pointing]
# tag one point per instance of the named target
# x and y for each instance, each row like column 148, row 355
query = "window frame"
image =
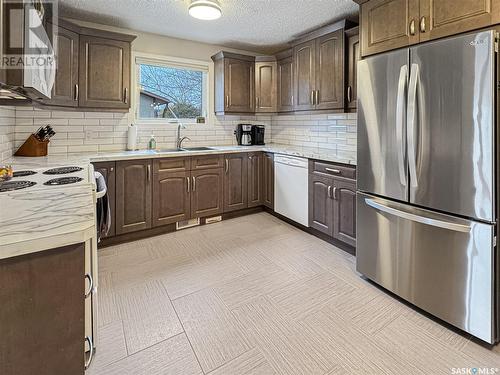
column 175, row 62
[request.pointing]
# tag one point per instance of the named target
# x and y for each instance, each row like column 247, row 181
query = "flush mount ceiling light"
column 205, row 9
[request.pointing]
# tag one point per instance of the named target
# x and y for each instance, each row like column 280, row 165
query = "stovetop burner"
column 63, row 170
column 15, row 185
column 63, row 180
column 23, row 173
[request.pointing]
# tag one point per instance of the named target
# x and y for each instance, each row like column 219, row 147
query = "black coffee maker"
column 243, row 134
column 258, row 134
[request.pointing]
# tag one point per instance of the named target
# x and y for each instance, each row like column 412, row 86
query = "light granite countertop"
column 43, row 218
column 86, row 158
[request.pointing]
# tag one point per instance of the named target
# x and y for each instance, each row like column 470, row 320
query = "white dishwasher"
column 291, row 198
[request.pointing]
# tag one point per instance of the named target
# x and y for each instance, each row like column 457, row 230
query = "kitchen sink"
column 198, row 148
column 170, row 150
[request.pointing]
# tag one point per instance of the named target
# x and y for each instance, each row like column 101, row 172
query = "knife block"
column 33, row 147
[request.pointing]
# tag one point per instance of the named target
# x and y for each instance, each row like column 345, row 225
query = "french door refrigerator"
column 426, row 200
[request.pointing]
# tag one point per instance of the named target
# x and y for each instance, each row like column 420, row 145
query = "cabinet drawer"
column 172, row 164
column 206, row 162
column 333, row 169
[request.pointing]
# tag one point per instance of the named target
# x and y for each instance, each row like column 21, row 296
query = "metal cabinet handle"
column 188, row 184
column 91, row 352
column 312, row 97
column 291, row 101
column 77, row 93
column 227, row 101
column 194, row 183
column 149, row 173
column 349, row 94
column 125, row 95
column 112, row 169
column 329, row 191
column 335, row 192
column 422, row 24
column 317, row 97
column 336, row 171
column 227, row 166
column 412, row 27
column 88, row 276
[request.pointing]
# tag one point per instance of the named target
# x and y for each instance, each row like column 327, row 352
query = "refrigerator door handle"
column 400, row 118
column 417, row 218
column 411, row 117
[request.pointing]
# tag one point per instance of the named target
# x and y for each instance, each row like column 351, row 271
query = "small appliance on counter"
column 37, row 143
column 243, row 134
column 258, row 135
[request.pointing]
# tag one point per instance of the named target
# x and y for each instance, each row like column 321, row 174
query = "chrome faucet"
column 179, row 127
column 179, row 138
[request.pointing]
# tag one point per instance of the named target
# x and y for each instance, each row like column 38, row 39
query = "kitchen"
column 227, row 194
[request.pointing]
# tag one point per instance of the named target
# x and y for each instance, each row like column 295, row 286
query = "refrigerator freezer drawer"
column 440, row 263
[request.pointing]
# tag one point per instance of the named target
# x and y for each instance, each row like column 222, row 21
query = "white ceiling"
column 255, row 25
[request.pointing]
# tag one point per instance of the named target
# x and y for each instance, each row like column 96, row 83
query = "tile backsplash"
column 107, row 131
column 7, row 129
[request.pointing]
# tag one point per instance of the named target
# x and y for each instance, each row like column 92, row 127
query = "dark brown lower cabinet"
column 206, row 192
column 235, row 182
column 42, row 315
column 268, row 180
column 255, row 175
column 171, row 197
column 133, row 195
column 107, row 169
column 320, row 203
column 344, row 211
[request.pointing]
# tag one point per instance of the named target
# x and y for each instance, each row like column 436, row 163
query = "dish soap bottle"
column 152, row 142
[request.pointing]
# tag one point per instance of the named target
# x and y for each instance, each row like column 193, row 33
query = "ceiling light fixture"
column 205, row 9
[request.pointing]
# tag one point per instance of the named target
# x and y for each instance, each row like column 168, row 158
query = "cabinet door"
column 304, row 69
column 206, row 192
column 344, row 211
column 107, row 169
column 65, row 89
column 133, row 195
column 255, row 176
column 440, row 18
column 171, row 196
column 268, row 180
column 238, row 85
column 104, row 73
column 353, row 56
column 285, row 85
column 330, row 71
column 388, row 24
column 320, row 203
column 265, row 86
column 235, row 182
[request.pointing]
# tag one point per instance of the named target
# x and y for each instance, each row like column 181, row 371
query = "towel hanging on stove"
column 103, row 209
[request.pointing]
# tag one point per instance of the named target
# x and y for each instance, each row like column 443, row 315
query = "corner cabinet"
column 391, row 24
column 268, row 180
column 234, row 83
column 265, row 85
column 285, row 83
column 332, row 200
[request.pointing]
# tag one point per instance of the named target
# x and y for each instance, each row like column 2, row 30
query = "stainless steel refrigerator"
column 427, row 181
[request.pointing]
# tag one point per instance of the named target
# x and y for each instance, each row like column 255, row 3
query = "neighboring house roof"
column 159, row 99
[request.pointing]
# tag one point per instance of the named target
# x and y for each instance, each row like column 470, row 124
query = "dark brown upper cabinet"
column 391, row 24
column 107, row 169
column 353, row 55
column 265, row 84
column 65, row 89
column 268, row 180
column 304, row 75
column 104, row 73
column 285, row 82
column 133, row 195
column 207, row 192
column 255, row 175
column 234, row 83
column 235, row 182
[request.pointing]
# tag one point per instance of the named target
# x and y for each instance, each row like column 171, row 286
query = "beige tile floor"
column 255, row 295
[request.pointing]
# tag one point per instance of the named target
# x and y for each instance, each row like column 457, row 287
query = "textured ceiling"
column 257, row 25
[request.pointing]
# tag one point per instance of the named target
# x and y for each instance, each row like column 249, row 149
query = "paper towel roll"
column 132, row 137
